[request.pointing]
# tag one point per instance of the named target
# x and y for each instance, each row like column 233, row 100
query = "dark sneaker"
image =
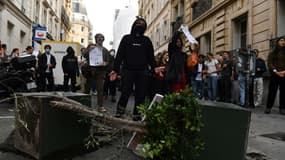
column 267, row 111
column 137, row 117
column 118, row 115
column 102, row 109
column 282, row 111
column 113, row 99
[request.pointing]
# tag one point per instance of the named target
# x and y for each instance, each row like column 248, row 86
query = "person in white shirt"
column 212, row 69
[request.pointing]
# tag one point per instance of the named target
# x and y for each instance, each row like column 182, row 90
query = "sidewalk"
column 259, row 143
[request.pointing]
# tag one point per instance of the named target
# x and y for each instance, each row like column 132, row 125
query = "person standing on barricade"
column 136, row 55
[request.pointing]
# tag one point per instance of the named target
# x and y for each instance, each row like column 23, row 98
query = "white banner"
column 96, row 57
column 188, row 35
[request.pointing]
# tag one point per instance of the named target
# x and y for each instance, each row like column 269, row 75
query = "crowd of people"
column 214, row 77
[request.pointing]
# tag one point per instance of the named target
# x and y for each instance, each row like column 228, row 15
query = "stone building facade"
column 221, row 25
column 158, row 16
column 81, row 27
column 232, row 24
column 18, row 18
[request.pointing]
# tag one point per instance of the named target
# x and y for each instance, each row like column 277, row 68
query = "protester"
column 4, row 56
column 70, row 69
column 159, row 84
column 276, row 65
column 83, row 71
column 15, row 53
column 196, row 75
column 225, row 78
column 98, row 59
column 110, row 86
column 176, row 71
column 212, row 69
column 29, row 50
column 136, row 55
column 234, row 81
column 46, row 64
column 260, row 68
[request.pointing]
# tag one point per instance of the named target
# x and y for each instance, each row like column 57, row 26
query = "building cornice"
column 17, row 13
column 209, row 13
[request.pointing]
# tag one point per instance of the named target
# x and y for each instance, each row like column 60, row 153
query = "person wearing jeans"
column 212, row 68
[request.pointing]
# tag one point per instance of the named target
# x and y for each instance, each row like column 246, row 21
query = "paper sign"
column 96, row 57
column 188, row 35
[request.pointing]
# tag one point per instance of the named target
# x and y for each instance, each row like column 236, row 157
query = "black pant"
column 275, row 83
column 66, row 78
column 225, row 89
column 42, row 82
column 109, row 86
column 130, row 79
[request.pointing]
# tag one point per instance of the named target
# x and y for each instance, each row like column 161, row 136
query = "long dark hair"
column 277, row 48
column 70, row 51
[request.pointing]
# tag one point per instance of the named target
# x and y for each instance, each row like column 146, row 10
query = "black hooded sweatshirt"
column 135, row 52
column 70, row 64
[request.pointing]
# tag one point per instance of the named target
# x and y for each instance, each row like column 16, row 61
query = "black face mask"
column 139, row 30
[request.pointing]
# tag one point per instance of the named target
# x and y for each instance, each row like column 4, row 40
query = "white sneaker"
column 94, row 93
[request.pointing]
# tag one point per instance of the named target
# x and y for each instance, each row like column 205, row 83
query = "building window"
column 45, row 18
column 10, row 32
column 83, row 19
column 280, row 18
column 157, row 36
column 166, row 30
column 181, row 13
column 240, row 32
column 76, row 7
column 82, row 29
column 175, row 12
column 22, row 36
column 202, row 7
column 208, row 42
column 82, row 40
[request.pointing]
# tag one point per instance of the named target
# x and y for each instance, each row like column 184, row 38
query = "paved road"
column 258, row 146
